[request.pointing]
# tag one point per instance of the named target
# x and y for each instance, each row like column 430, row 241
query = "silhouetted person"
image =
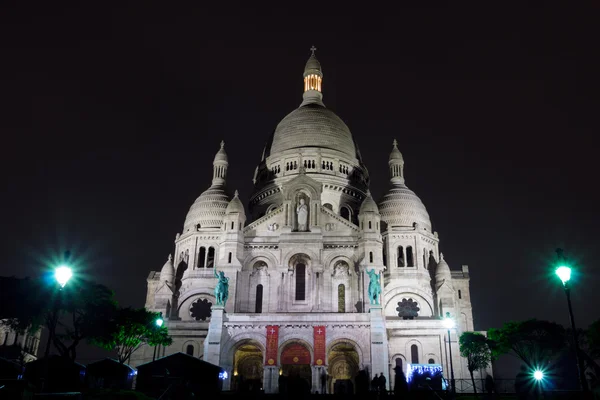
column 323, row 382
column 489, row 385
column 375, row 383
column 400, row 385
column 382, row 383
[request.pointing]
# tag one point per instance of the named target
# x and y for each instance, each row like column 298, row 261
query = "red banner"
column 295, row 354
column 319, row 335
column 272, row 344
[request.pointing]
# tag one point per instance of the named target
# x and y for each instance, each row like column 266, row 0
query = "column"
column 379, row 343
column 212, row 343
column 271, row 379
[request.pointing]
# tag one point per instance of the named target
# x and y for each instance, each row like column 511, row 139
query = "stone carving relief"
column 260, row 268
column 330, row 226
column 273, row 226
column 341, row 269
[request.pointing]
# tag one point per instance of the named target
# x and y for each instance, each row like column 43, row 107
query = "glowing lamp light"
column 564, row 273
column 448, row 322
column 538, row 375
column 159, row 322
column 62, row 275
column 223, row 375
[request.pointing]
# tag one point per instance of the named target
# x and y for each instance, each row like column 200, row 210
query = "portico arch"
column 344, row 364
column 248, row 361
column 295, row 358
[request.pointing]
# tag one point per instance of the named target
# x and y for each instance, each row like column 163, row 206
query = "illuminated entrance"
column 343, row 368
column 248, row 368
column 295, row 368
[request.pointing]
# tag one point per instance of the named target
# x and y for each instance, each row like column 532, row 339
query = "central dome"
column 313, row 125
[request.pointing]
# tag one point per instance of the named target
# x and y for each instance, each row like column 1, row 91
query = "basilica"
column 314, row 278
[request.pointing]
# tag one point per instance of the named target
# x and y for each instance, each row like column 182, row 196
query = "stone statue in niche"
column 302, row 211
column 341, row 269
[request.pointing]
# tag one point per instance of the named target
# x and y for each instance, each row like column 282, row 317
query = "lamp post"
column 563, row 271
column 159, row 323
column 62, row 275
column 449, row 324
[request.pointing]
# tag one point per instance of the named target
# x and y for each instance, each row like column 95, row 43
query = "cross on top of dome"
column 313, row 49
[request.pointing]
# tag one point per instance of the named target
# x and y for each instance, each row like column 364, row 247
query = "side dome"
column 313, row 126
column 235, row 205
column 208, row 210
column 442, row 272
column 368, row 205
column 402, row 207
column 167, row 273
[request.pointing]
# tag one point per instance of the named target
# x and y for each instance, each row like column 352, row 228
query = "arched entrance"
column 343, row 368
column 295, row 369
column 247, row 368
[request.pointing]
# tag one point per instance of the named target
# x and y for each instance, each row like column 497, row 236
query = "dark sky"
column 110, row 118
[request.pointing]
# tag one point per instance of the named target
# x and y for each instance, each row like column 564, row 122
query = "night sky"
column 110, row 119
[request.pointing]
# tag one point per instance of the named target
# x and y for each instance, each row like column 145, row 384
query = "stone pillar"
column 315, row 379
column 227, row 382
column 271, row 379
column 379, row 343
column 212, row 343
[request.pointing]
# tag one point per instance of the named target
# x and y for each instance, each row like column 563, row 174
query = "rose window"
column 200, row 309
column 408, row 309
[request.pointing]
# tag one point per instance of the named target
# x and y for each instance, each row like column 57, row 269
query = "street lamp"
column 538, row 375
column 159, row 323
column 62, row 275
column 449, row 324
column 563, row 271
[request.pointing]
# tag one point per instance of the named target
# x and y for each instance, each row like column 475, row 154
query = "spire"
column 236, row 194
column 313, row 79
column 396, row 164
column 220, row 166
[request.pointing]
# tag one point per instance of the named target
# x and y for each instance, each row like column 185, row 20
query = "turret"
column 313, row 80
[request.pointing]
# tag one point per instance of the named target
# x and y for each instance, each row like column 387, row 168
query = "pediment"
column 302, row 182
column 269, row 224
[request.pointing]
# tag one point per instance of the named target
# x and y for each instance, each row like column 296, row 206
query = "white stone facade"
column 28, row 343
column 296, row 279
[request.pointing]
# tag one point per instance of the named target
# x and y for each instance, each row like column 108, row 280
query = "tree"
column 87, row 309
column 130, row 329
column 474, row 347
column 534, row 342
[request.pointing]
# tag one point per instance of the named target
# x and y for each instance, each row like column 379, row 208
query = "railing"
column 500, row 385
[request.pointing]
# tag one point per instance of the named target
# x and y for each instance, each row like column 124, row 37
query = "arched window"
column 400, row 256
column 210, row 260
column 300, row 282
column 399, row 363
column 259, row 297
column 414, row 354
column 189, row 350
column 459, row 294
column 229, row 258
column 409, row 257
column 370, row 227
column 425, row 259
column 370, row 256
column 341, row 298
column 232, row 225
column 201, row 257
column 431, row 361
column 345, row 213
column 328, row 206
